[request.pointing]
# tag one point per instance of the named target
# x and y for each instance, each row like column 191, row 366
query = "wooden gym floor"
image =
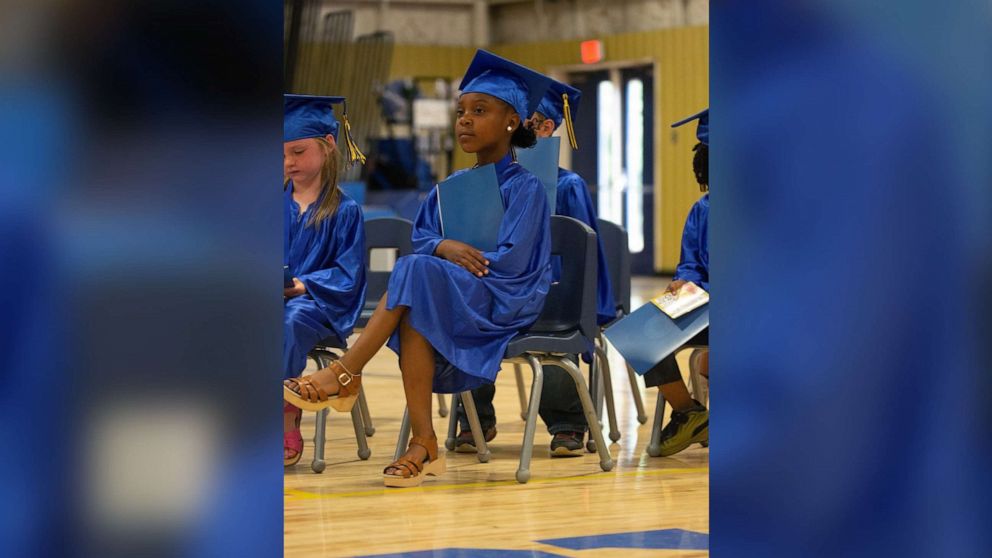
column 646, row 506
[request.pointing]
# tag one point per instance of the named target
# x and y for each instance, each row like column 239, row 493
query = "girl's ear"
column 514, row 121
column 330, row 140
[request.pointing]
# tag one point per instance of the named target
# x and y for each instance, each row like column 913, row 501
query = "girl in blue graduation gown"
column 450, row 309
column 324, row 246
column 560, row 408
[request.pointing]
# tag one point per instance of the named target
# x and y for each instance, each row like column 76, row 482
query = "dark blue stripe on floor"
column 660, row 539
column 468, row 553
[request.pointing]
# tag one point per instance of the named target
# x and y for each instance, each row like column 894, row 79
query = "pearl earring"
column 509, row 128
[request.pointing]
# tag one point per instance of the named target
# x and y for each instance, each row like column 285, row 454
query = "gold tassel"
column 354, row 153
column 568, row 121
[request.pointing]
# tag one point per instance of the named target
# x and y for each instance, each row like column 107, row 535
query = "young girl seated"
column 324, row 244
column 450, row 309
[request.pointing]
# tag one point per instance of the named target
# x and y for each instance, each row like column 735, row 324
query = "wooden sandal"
column 302, row 392
column 413, row 473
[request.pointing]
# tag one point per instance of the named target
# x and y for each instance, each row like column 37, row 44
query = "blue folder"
column 647, row 335
column 471, row 208
column 542, row 161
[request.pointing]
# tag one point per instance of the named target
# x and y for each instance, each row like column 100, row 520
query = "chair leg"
column 319, row 437
column 404, row 436
column 317, row 465
column 449, row 442
column 611, row 411
column 442, row 405
column 360, row 433
column 521, row 390
column 527, row 447
column 605, row 460
column 478, row 435
column 635, row 388
column 594, row 387
column 596, row 394
column 363, row 403
column 654, row 446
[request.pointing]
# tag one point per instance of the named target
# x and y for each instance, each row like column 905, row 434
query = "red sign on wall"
column 592, row 51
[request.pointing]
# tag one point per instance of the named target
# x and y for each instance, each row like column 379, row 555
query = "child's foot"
column 465, row 442
column 292, row 448
column 292, row 440
column 420, row 460
column 684, row 429
column 334, row 386
column 567, row 444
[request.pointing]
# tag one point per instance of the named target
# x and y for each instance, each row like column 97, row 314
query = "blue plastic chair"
column 323, row 355
column 615, row 246
column 566, row 326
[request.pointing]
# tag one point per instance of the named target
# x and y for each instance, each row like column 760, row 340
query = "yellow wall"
column 439, row 61
column 681, row 88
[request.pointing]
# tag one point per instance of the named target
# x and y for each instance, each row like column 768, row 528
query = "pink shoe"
column 292, row 441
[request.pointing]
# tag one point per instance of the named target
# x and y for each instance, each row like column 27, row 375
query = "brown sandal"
column 413, row 473
column 302, row 392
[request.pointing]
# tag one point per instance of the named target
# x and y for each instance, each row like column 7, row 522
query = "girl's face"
column 302, row 159
column 482, row 121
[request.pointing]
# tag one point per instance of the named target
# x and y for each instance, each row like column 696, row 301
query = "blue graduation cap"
column 703, row 130
column 312, row 116
column 559, row 103
column 520, row 87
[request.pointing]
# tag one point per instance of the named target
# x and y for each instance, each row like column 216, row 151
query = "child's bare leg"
column 417, row 366
column 699, row 362
column 381, row 325
column 677, row 395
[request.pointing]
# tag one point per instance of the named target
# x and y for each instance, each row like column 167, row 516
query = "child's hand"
column 463, row 255
column 296, row 290
column 674, row 286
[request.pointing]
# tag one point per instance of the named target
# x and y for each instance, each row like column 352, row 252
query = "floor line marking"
column 293, row 493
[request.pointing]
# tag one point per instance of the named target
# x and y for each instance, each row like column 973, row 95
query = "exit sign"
column 592, row 51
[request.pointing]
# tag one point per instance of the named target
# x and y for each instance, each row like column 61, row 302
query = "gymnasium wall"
column 682, row 71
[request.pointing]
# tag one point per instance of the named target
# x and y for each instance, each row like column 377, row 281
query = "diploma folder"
column 471, row 208
column 647, row 335
column 542, row 161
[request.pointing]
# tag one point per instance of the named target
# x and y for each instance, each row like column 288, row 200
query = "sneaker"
column 465, row 442
column 684, row 429
column 567, row 444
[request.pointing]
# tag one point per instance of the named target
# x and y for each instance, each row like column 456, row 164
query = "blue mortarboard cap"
column 309, row 116
column 561, row 102
column 312, row 116
column 703, row 130
column 520, row 87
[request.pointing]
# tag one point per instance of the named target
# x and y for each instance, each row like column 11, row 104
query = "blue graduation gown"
column 694, row 263
column 574, row 201
column 467, row 319
column 330, row 261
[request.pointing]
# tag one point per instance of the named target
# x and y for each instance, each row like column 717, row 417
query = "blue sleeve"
column 574, row 201
column 427, row 226
column 339, row 287
column 694, row 261
column 525, row 224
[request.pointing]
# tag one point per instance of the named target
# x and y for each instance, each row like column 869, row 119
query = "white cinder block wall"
column 481, row 22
